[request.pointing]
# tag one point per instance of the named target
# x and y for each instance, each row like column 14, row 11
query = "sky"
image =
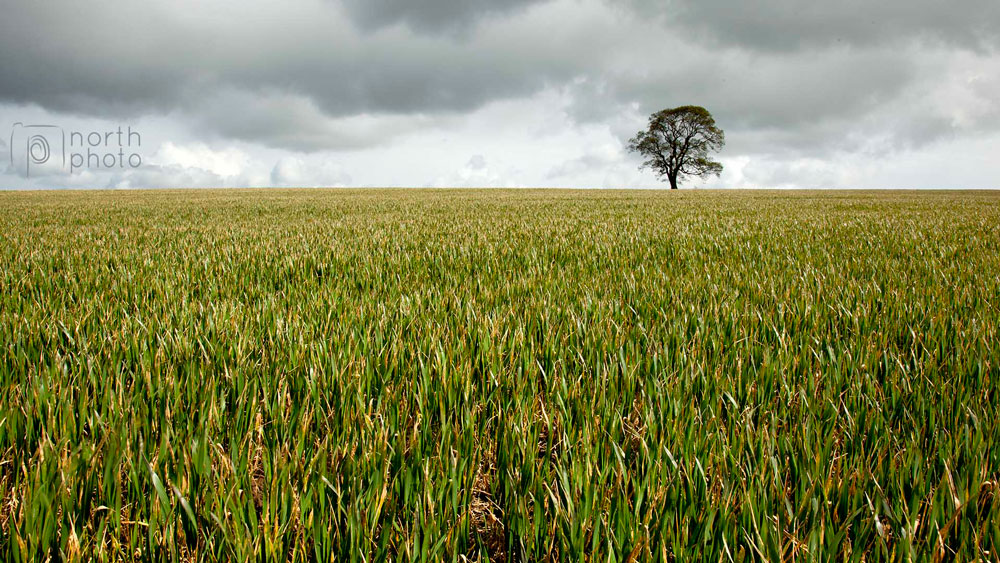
column 494, row 93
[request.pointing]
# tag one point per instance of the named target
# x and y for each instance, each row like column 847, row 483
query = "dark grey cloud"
column 120, row 60
column 430, row 15
column 94, row 58
column 805, row 101
column 783, row 25
column 281, row 120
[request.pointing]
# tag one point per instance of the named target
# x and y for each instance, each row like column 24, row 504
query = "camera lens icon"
column 37, row 149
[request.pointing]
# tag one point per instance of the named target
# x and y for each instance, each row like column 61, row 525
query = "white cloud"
column 478, row 173
column 228, row 161
column 294, row 171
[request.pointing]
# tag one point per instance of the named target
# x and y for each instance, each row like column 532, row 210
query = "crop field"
column 509, row 375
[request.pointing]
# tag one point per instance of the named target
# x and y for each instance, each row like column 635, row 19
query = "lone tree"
column 677, row 143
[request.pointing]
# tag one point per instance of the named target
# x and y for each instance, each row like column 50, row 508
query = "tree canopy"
column 677, row 143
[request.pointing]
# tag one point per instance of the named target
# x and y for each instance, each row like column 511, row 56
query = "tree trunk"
column 673, row 182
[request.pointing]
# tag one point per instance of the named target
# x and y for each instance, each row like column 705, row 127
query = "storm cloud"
column 453, row 16
column 791, row 25
column 536, row 92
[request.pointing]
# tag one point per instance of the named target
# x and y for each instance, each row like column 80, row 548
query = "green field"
column 419, row 375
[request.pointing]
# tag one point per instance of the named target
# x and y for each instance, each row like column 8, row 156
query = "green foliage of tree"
column 677, row 143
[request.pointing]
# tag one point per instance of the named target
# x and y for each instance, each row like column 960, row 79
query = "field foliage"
column 417, row 375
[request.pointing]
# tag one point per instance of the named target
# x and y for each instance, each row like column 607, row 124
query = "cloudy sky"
column 853, row 93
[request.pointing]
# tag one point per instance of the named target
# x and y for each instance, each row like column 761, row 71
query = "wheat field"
column 499, row 375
